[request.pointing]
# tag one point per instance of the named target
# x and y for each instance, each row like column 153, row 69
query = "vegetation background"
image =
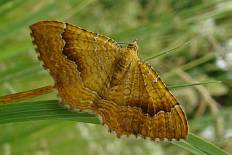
column 159, row 25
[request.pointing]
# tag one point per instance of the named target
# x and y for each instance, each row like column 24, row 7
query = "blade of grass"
column 185, row 145
column 42, row 110
column 198, row 145
column 45, row 110
column 192, row 84
column 204, row 145
column 191, row 64
column 167, row 51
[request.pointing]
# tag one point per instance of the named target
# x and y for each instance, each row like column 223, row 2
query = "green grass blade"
column 45, row 110
column 185, row 145
column 166, row 52
column 190, row 65
column 191, row 84
column 199, row 146
column 204, row 145
column 28, row 111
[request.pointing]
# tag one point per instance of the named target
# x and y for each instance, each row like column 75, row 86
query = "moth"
column 92, row 72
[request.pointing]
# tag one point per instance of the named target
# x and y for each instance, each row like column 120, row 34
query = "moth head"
column 133, row 45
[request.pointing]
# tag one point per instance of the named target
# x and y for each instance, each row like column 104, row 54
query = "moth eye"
column 133, row 45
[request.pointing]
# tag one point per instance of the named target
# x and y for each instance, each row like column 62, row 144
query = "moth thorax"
column 133, row 46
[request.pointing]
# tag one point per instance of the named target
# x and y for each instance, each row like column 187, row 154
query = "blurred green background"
column 159, row 25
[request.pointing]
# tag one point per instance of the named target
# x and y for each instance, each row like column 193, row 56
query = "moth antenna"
column 25, row 95
column 123, row 43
